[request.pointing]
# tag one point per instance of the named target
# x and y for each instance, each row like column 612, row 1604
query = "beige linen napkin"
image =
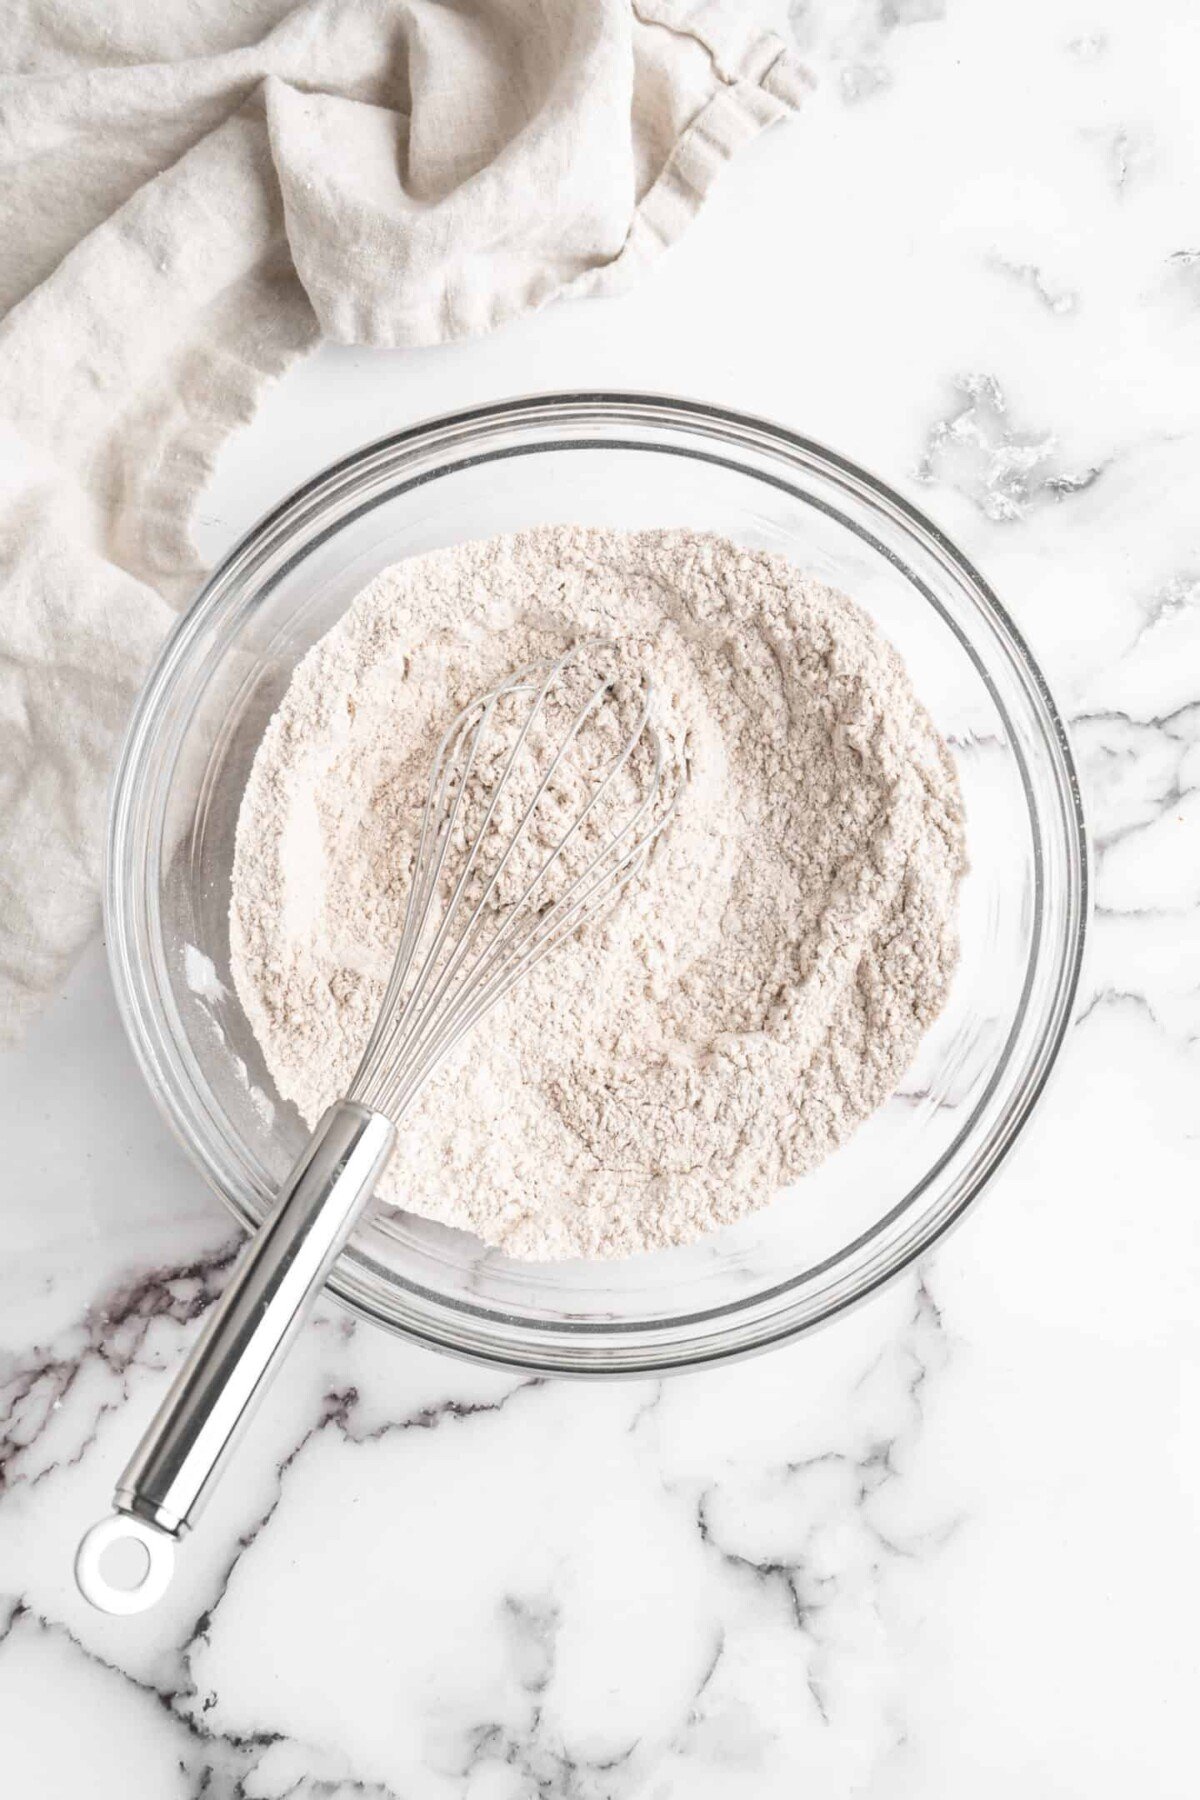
column 189, row 197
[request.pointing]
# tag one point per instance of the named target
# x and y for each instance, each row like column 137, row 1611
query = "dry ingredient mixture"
column 755, row 994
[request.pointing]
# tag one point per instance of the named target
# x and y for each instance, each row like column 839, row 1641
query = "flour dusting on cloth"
column 757, row 991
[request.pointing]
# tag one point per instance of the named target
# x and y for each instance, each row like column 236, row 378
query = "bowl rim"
column 320, row 490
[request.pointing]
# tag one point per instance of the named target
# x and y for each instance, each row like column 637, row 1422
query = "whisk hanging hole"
column 123, row 1565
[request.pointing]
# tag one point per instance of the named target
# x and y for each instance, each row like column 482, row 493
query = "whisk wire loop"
column 410, row 1027
column 480, row 945
column 501, row 948
column 429, row 861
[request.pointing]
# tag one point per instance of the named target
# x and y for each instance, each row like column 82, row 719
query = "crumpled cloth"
column 189, row 197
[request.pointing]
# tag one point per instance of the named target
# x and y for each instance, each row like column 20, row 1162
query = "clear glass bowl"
column 628, row 461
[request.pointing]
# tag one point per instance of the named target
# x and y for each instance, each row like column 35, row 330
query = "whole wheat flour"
column 754, row 995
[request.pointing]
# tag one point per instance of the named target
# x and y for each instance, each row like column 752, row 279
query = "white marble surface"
column 949, row 1546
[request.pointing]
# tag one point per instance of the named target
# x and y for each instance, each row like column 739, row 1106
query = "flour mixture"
column 756, row 993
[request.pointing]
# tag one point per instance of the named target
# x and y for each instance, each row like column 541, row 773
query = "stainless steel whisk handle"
column 277, row 1277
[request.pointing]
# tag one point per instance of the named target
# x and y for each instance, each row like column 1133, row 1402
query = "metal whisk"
column 521, row 843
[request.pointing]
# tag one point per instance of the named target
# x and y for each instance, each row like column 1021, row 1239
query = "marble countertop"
column 947, row 1546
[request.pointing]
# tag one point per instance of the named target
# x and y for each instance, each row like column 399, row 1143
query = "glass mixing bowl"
column 628, row 461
